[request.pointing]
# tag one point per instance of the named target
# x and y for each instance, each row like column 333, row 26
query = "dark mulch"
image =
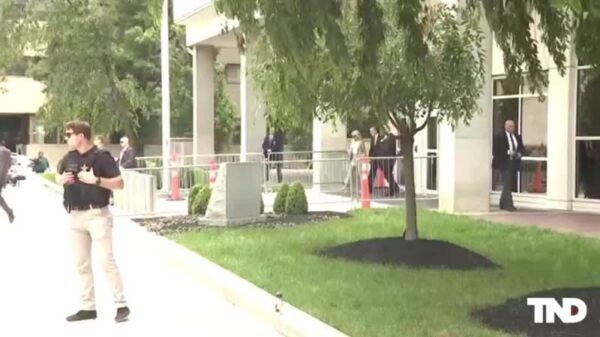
column 432, row 254
column 514, row 316
column 187, row 223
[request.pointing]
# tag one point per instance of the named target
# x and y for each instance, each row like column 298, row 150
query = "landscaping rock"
column 186, row 223
column 433, row 254
column 516, row 317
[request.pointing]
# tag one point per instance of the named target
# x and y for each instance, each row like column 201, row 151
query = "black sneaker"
column 82, row 315
column 122, row 315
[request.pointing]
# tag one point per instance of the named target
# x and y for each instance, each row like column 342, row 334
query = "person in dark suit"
column 5, row 165
column 127, row 156
column 273, row 151
column 508, row 150
column 375, row 151
column 389, row 151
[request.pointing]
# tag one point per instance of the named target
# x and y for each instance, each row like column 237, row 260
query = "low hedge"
column 280, row 199
column 200, row 200
column 296, row 202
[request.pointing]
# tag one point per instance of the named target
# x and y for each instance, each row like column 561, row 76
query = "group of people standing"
column 384, row 155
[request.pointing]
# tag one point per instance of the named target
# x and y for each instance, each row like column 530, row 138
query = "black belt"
column 86, row 207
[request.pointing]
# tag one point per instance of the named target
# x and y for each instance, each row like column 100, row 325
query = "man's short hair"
column 80, row 127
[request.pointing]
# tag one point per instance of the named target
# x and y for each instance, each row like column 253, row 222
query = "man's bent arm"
column 115, row 183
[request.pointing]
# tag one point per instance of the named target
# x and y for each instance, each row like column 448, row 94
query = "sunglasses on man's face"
column 68, row 134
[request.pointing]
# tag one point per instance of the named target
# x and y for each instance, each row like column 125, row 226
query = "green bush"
column 193, row 192
column 280, row 199
column 296, row 202
column 193, row 177
column 200, row 202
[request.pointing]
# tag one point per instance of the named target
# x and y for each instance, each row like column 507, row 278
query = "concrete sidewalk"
column 38, row 284
column 586, row 224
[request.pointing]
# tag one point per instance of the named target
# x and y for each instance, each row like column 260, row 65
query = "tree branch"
column 422, row 126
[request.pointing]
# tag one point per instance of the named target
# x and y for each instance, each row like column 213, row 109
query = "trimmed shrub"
column 193, row 177
column 200, row 202
column 280, row 199
column 296, row 202
column 193, row 192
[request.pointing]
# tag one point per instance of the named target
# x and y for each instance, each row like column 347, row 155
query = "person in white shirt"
column 508, row 151
column 356, row 150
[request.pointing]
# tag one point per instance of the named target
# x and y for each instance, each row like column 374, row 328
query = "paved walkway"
column 38, row 286
column 587, row 224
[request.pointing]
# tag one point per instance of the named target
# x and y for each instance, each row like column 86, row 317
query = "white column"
column 465, row 153
column 204, row 101
column 166, row 93
column 420, row 151
column 562, row 107
column 328, row 136
column 252, row 119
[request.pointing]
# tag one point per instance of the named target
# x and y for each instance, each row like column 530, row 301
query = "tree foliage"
column 226, row 119
column 514, row 23
column 101, row 61
column 367, row 61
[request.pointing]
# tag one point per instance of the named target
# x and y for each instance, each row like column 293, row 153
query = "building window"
column 587, row 138
column 529, row 111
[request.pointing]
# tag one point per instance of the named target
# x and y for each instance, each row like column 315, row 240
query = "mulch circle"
column 187, row 223
column 431, row 254
column 515, row 316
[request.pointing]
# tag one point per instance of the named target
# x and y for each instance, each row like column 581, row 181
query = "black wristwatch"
column 98, row 181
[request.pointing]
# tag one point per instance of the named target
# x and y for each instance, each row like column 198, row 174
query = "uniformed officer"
column 88, row 175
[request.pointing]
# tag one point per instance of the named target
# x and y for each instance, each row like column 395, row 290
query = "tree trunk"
column 407, row 144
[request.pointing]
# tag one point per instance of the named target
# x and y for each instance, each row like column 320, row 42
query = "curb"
column 261, row 305
column 289, row 321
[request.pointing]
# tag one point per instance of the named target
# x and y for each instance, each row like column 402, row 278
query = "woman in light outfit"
column 357, row 149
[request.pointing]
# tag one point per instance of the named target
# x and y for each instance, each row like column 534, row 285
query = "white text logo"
column 572, row 310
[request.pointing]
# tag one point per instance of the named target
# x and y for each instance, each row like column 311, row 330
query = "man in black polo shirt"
column 88, row 175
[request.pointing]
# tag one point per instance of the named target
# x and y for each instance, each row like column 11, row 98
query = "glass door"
column 432, row 154
column 587, row 140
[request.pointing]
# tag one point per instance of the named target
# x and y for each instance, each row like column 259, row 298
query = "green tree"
column 563, row 23
column 101, row 62
column 226, row 120
column 346, row 68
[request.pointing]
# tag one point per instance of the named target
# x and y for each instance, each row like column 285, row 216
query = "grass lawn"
column 50, row 176
column 367, row 300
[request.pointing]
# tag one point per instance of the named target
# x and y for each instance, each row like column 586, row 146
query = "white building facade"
column 561, row 129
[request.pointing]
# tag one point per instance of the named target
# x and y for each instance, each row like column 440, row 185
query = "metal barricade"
column 189, row 175
column 138, row 195
column 328, row 177
column 324, row 174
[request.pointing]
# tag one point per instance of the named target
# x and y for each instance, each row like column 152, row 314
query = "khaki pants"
column 94, row 228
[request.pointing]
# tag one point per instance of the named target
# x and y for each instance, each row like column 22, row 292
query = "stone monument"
column 236, row 196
